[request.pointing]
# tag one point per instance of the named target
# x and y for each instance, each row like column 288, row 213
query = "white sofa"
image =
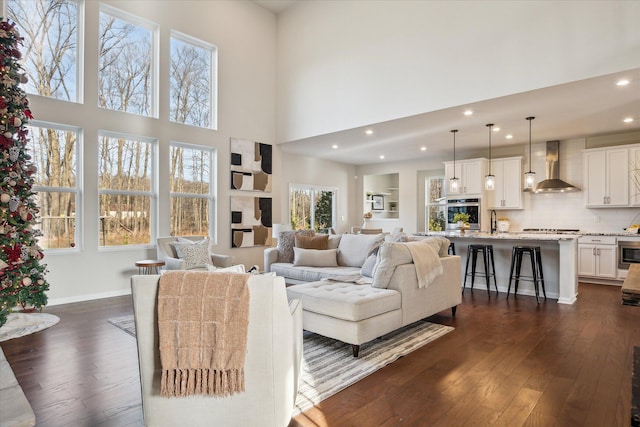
column 272, row 363
column 356, row 313
column 166, row 252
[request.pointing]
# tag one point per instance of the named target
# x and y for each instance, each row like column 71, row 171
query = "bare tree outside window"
column 125, row 187
column 53, row 149
column 125, row 74
column 50, row 31
column 192, row 82
column 192, row 197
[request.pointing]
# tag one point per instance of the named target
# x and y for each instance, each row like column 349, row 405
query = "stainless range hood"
column 553, row 183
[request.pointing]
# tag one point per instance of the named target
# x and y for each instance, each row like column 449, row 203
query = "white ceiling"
column 590, row 107
column 275, row 6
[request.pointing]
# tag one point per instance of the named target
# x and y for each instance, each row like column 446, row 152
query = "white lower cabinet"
column 597, row 257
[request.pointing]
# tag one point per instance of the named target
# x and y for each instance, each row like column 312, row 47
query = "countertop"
column 522, row 235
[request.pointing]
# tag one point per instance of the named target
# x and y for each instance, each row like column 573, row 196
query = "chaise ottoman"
column 350, row 312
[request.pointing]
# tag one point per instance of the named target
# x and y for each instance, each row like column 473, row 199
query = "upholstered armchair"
column 166, row 252
column 272, row 362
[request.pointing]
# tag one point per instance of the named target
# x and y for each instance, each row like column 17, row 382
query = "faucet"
column 494, row 222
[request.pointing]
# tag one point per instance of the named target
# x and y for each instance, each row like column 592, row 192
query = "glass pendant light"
column 454, row 183
column 490, row 180
column 529, row 177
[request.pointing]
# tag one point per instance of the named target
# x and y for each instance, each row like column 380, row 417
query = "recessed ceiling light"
column 509, row 136
column 382, row 157
column 369, row 132
column 468, row 112
column 423, row 148
column 628, row 120
column 496, row 129
column 622, row 82
column 334, row 146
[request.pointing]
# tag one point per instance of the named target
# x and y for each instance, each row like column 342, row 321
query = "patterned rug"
column 328, row 366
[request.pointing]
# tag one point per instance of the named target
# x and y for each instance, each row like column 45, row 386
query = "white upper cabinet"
column 508, row 188
column 606, row 177
column 470, row 173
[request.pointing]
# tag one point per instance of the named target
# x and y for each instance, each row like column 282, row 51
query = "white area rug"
column 21, row 324
column 328, row 366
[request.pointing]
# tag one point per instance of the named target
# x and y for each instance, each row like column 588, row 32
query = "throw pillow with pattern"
column 194, row 254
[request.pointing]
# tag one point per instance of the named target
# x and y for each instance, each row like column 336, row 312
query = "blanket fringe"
column 189, row 382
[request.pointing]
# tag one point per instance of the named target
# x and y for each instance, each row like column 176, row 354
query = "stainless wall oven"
column 470, row 206
column 628, row 253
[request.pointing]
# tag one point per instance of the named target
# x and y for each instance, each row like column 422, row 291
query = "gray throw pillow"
column 354, row 249
column 194, row 254
column 369, row 267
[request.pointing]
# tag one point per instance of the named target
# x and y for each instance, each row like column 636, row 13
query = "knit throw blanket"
column 203, row 319
column 426, row 261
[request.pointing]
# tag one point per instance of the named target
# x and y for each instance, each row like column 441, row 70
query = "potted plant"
column 462, row 219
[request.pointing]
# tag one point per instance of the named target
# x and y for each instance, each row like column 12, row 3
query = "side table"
column 149, row 266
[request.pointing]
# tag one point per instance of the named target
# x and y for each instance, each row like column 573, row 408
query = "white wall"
column 350, row 63
column 245, row 35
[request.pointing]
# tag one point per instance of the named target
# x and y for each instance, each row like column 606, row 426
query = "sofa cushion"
column 347, row 301
column 311, row 274
column 312, row 242
column 286, row 242
column 354, row 249
column 390, row 255
column 334, row 241
column 314, row 257
column 194, row 254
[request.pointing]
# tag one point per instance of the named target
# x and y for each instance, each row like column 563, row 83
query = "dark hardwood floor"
column 507, row 363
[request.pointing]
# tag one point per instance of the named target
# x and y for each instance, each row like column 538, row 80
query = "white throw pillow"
column 354, row 249
column 194, row 254
column 315, row 257
column 238, row 268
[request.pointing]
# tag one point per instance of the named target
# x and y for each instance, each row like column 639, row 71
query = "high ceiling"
column 590, row 107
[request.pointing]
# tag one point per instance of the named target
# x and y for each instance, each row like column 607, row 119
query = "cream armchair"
column 272, row 363
column 166, row 252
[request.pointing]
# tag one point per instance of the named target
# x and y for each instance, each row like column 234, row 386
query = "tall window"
column 54, row 151
column 436, row 203
column 126, row 73
column 192, row 189
column 312, row 207
column 192, row 82
column 51, row 46
column 127, row 189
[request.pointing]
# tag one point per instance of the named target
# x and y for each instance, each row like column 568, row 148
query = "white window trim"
column 314, row 189
column 153, row 192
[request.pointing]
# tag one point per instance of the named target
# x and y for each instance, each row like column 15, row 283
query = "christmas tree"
column 22, row 281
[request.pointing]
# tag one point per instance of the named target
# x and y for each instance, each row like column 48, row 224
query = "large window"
column 312, row 207
column 126, row 186
column 54, row 152
column 51, row 46
column 192, row 82
column 126, row 73
column 192, row 189
column 436, row 203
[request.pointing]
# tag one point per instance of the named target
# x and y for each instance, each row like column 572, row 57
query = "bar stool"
column 452, row 248
column 536, row 269
column 487, row 254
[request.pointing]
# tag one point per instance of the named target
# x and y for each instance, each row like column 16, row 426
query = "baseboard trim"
column 88, row 297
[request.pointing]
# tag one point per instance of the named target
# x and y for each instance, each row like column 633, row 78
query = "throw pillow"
column 316, row 242
column 238, row 268
column 369, row 267
column 194, row 254
column 354, row 249
column 334, row 241
column 314, row 257
column 286, row 242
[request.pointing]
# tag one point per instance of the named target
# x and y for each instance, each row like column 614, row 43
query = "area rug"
column 328, row 366
column 21, row 324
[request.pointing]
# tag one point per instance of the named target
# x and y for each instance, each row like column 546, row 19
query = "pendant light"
column 529, row 177
column 490, row 180
column 454, row 183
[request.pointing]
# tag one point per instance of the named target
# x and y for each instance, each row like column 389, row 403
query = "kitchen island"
column 559, row 261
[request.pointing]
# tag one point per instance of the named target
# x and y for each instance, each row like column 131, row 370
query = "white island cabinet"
column 597, row 257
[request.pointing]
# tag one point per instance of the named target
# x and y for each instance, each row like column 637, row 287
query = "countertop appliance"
column 471, row 206
column 628, row 253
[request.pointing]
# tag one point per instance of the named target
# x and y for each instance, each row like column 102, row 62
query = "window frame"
column 314, row 190
column 77, row 190
column 213, row 187
column 153, row 191
column 213, row 76
column 154, row 29
column 428, row 205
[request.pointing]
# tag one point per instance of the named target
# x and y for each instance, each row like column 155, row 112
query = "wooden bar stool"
column 536, row 277
column 487, row 255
